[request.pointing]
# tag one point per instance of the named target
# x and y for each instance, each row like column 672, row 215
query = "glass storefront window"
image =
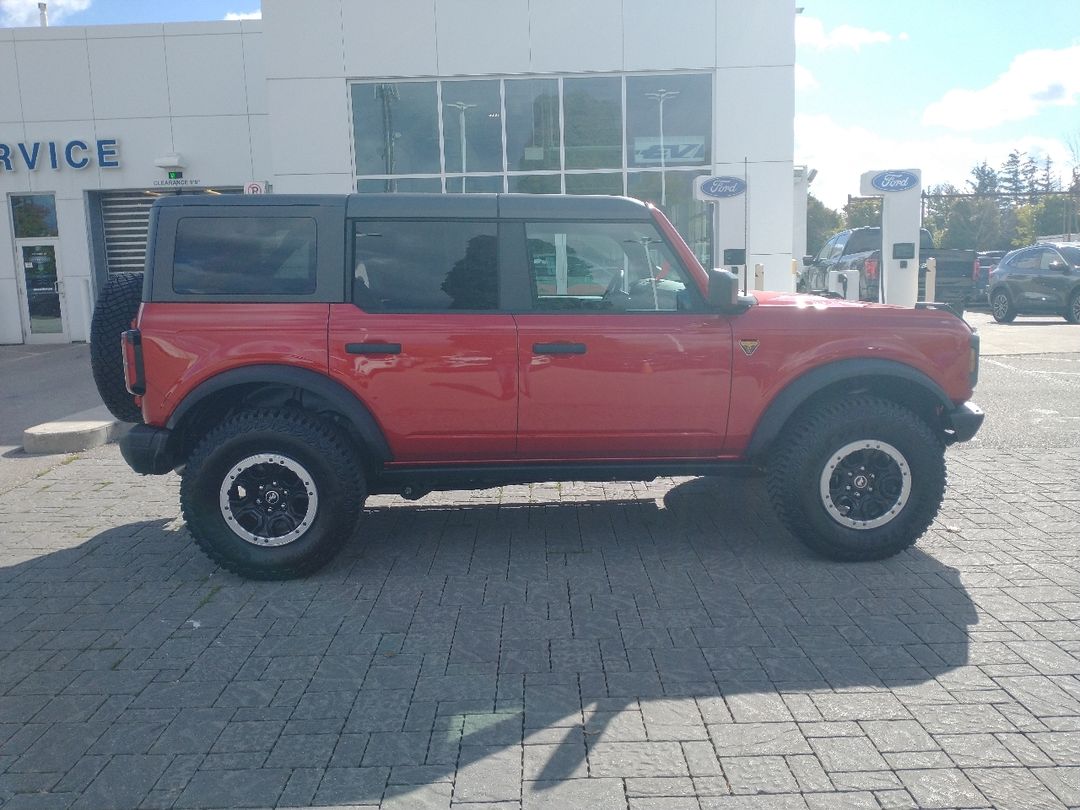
column 425, row 185
column 476, row 107
column 34, row 216
column 474, row 185
column 686, row 104
column 536, row 184
column 675, row 197
column 396, row 128
column 532, row 124
column 608, row 183
column 593, row 128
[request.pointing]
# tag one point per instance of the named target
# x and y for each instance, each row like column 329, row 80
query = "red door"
column 619, row 358
column 423, row 344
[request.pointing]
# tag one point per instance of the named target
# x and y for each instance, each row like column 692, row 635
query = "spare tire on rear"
column 116, row 309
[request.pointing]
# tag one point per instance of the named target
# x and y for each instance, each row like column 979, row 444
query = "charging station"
column 901, row 219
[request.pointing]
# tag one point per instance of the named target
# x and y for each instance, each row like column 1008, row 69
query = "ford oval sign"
column 894, row 181
column 721, row 187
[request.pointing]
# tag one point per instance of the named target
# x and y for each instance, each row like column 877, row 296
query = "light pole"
column 660, row 96
column 461, row 107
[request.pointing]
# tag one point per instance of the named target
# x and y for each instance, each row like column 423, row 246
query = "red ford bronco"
column 289, row 355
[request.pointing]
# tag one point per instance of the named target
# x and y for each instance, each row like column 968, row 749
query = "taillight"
column 871, row 267
column 975, row 271
column 131, row 349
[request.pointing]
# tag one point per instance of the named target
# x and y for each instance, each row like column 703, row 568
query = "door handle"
column 558, row 348
column 373, row 348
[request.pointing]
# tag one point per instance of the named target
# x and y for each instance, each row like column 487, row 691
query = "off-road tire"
column 290, row 438
column 1072, row 309
column 116, row 309
column 1002, row 307
column 797, row 478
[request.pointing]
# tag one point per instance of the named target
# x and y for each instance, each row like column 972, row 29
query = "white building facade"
column 338, row 96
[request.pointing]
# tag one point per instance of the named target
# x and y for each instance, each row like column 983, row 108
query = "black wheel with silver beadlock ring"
column 857, row 478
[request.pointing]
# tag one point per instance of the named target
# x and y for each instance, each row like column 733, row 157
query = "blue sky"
column 933, row 84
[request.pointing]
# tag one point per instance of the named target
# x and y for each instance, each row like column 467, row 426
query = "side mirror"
column 807, row 261
column 724, row 291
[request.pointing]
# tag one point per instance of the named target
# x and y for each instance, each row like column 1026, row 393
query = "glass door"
column 42, row 292
column 38, row 273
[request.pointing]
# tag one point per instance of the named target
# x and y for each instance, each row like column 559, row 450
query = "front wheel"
column 1002, row 307
column 858, row 479
column 272, row 493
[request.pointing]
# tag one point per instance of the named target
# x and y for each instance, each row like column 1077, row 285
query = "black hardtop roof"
column 410, row 206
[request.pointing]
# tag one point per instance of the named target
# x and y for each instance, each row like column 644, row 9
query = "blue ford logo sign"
column 721, row 187
column 894, row 181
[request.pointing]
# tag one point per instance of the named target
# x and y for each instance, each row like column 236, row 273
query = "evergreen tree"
column 1047, row 180
column 1029, row 171
column 1011, row 178
column 984, row 179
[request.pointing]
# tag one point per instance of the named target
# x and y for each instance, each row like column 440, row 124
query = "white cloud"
column 804, row 79
column 1034, row 80
column 19, row 13
column 810, row 33
column 244, row 15
column 841, row 153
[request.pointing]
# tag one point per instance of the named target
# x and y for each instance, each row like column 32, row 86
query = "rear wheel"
column 1002, row 307
column 858, row 479
column 272, row 494
column 117, row 306
column 1072, row 312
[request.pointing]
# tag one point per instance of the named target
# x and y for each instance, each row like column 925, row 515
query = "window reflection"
column 593, row 129
column 396, row 128
column 34, row 216
column 472, row 126
column 683, row 104
column 532, row 124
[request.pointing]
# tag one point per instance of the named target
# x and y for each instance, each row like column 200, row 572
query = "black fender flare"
column 340, row 397
column 818, row 379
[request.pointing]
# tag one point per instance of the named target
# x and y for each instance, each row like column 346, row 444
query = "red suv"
column 289, row 355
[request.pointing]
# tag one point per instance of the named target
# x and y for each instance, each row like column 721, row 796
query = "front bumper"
column 962, row 423
column 147, row 450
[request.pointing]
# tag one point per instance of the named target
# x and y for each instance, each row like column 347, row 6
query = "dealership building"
column 336, row 96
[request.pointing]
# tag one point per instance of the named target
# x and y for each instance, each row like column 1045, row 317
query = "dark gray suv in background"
column 1038, row 280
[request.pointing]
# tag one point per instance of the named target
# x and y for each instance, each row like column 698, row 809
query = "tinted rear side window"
column 244, row 255
column 425, row 266
column 862, row 241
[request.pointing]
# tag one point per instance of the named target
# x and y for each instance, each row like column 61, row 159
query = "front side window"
column 425, row 266
column 245, row 256
column 605, row 267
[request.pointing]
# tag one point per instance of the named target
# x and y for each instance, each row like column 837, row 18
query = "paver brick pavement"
column 660, row 645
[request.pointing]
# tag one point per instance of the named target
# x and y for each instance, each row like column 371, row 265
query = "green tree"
column 862, row 211
column 1011, row 178
column 1029, row 171
column 974, row 223
column 1026, row 216
column 984, row 179
column 938, row 208
column 821, row 223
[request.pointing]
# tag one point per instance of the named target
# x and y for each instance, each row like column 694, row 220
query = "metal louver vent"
column 125, row 216
column 125, row 219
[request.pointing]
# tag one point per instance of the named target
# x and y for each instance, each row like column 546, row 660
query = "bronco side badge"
column 749, row 346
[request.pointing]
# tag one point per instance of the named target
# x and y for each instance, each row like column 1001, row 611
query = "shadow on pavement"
column 444, row 638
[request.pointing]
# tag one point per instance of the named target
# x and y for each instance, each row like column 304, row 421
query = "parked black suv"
column 1037, row 280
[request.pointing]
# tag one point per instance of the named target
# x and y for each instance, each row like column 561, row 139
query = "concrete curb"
column 75, row 433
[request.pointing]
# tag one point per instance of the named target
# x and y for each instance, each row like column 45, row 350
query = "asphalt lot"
column 628, row 646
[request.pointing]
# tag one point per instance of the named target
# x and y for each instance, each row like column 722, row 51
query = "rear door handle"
column 373, row 348
column 558, row 348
